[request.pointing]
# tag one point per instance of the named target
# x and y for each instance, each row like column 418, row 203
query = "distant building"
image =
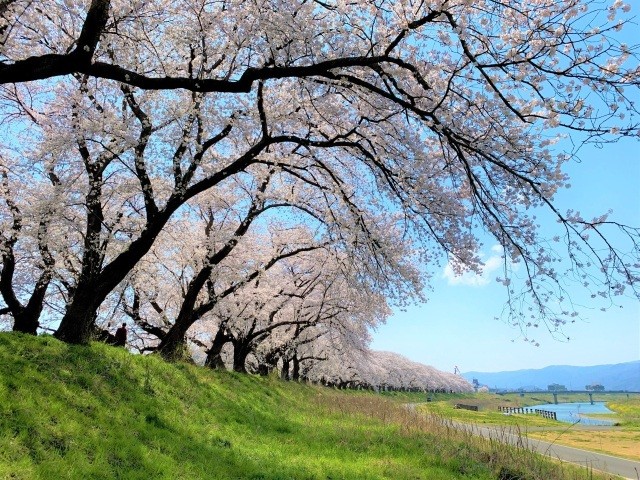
column 595, row 387
column 556, row 387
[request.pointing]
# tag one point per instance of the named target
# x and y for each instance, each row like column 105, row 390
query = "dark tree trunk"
column 284, row 371
column 77, row 324
column 27, row 321
column 214, row 354
column 270, row 362
column 241, row 350
column 78, row 321
column 189, row 312
column 174, row 344
column 295, row 368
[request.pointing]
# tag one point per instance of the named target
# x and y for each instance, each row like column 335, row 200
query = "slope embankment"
column 100, row 412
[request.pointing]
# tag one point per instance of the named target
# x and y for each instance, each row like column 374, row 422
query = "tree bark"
column 27, row 321
column 214, row 354
column 189, row 313
column 295, row 370
column 284, row 371
column 174, row 344
column 77, row 323
column 241, row 350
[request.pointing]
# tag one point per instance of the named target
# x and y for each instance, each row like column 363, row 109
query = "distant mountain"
column 621, row 376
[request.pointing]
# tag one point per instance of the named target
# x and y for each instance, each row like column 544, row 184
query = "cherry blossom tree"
column 435, row 121
column 223, row 255
column 25, row 229
column 385, row 371
column 307, row 296
column 401, row 373
column 192, row 280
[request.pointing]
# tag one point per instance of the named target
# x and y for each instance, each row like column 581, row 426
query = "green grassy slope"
column 99, row 412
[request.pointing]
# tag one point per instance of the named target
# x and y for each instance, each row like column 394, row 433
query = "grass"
column 627, row 411
column 94, row 412
column 487, row 414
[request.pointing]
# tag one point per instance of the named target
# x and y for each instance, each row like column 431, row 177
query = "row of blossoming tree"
column 275, row 175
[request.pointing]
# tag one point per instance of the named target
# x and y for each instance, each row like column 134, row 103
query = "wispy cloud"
column 472, row 279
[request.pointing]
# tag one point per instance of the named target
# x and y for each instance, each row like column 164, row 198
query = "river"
column 574, row 412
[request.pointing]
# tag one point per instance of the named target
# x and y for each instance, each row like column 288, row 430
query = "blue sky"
column 457, row 327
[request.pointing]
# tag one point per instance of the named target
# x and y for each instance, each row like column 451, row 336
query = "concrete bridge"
column 591, row 393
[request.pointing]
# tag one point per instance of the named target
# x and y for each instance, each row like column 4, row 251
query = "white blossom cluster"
column 386, row 371
column 275, row 175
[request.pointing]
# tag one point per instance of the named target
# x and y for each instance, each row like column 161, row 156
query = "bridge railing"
column 526, row 411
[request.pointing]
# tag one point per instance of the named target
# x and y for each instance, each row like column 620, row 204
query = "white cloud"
column 472, row 279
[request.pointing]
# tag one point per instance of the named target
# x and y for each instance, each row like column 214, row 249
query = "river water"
column 574, row 412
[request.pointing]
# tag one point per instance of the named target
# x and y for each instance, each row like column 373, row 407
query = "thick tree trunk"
column 27, row 321
column 284, row 371
column 77, row 324
column 241, row 350
column 189, row 313
column 295, row 370
column 26, row 317
column 270, row 363
column 214, row 354
column 174, row 344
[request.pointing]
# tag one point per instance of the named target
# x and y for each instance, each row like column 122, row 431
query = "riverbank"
column 622, row 440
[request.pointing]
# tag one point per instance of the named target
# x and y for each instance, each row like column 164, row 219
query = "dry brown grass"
column 456, row 440
column 612, row 442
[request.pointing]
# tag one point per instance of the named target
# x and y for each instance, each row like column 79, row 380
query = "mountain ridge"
column 618, row 376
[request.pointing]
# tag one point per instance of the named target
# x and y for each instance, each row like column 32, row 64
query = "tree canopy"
column 159, row 160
